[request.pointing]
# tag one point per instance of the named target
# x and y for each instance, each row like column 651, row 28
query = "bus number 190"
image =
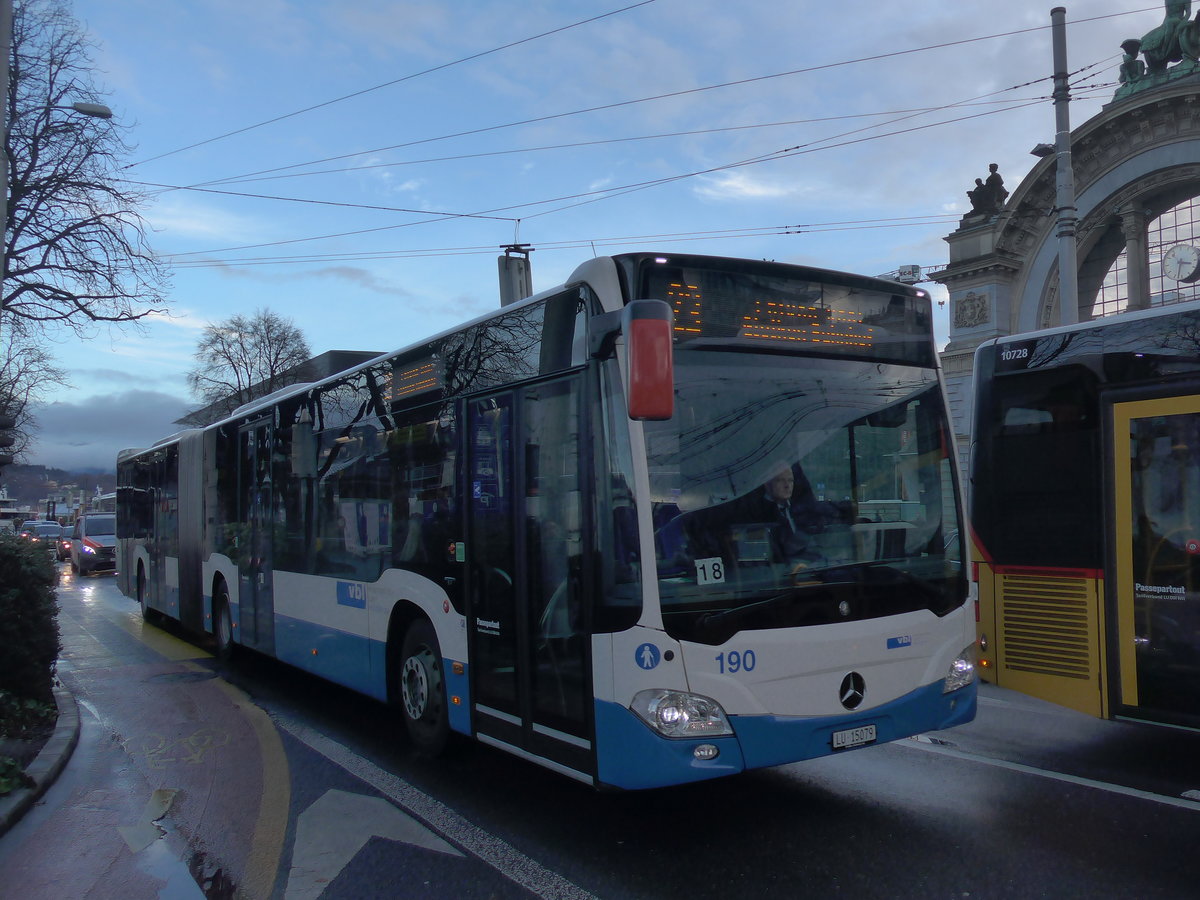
column 733, row 661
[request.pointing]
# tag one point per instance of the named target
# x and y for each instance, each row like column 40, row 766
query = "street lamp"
column 95, row 110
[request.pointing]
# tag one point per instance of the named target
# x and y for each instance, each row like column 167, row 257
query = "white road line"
column 507, row 860
column 917, row 744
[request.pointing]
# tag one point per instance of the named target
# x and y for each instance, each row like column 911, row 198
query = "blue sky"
column 861, row 126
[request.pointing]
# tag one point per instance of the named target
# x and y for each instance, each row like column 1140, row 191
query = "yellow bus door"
column 1156, row 540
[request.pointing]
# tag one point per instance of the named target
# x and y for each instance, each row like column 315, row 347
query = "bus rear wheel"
column 423, row 690
column 148, row 614
column 222, row 622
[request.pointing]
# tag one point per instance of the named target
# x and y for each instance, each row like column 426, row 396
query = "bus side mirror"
column 648, row 326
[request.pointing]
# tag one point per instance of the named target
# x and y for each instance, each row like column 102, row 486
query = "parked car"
column 64, row 544
column 45, row 532
column 94, row 543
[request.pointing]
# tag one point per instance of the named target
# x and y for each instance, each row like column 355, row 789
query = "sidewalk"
column 48, row 765
column 110, row 792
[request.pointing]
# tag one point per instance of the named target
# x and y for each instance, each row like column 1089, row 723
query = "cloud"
column 182, row 217
column 111, row 376
column 356, row 275
column 89, row 434
column 744, row 186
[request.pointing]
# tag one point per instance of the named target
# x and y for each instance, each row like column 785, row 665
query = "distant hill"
column 31, row 484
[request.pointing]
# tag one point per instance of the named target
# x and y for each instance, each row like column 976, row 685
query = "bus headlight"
column 962, row 671
column 678, row 714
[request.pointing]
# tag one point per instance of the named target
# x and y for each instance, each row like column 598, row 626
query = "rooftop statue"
column 1163, row 44
column 987, row 197
column 1176, row 40
column 1132, row 68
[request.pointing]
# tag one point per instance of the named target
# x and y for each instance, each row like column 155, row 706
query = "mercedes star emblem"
column 853, row 689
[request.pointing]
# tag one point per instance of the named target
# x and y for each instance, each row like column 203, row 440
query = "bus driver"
column 788, row 504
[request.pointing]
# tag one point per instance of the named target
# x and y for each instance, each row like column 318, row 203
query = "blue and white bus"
column 681, row 517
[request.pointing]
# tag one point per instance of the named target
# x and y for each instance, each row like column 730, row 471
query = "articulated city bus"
column 549, row 530
column 1085, row 511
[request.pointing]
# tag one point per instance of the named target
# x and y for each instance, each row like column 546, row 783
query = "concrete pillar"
column 1137, row 254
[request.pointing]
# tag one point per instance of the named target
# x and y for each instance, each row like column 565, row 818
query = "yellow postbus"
column 1084, row 506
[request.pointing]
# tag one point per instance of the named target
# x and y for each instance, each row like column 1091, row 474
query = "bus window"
column 423, row 461
column 354, row 503
column 618, row 602
column 1042, row 446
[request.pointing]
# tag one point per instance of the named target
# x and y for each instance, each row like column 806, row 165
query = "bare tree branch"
column 243, row 358
column 75, row 249
column 27, row 373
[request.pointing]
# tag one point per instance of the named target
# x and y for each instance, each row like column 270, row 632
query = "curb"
column 49, row 763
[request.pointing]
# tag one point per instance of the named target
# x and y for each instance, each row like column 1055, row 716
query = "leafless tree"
column 75, row 251
column 243, row 358
column 27, row 373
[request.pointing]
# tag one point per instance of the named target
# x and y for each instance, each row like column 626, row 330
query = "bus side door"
column 528, row 527
column 1156, row 538
column 256, row 501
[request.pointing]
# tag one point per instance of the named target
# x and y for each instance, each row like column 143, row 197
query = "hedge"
column 28, row 620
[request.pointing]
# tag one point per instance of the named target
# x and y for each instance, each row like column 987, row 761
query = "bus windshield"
column 798, row 491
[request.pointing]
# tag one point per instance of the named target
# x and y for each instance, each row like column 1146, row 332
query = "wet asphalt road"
column 288, row 787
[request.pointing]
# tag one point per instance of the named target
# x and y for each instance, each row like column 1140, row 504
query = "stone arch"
column 1132, row 162
column 1144, row 187
column 1140, row 155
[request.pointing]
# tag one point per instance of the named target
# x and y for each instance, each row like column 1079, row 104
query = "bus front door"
column 256, row 500
column 1156, row 538
column 528, row 526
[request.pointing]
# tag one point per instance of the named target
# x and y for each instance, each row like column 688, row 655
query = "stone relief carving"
column 972, row 311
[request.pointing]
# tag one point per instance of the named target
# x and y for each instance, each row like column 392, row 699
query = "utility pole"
column 6, row 14
column 1068, row 267
column 6, row 18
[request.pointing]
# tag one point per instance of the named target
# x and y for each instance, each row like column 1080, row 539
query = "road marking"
column 270, row 829
column 330, row 833
column 937, row 747
column 506, row 859
column 161, row 751
column 159, row 641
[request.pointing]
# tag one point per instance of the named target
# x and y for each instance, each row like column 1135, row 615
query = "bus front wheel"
column 423, row 690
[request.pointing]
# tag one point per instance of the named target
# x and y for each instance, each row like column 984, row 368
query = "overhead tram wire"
column 394, row 81
column 340, row 203
column 608, row 193
column 726, row 234
column 787, row 153
column 670, row 95
column 603, row 141
column 605, row 193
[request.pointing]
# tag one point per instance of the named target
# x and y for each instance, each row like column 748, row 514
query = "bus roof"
column 1153, row 312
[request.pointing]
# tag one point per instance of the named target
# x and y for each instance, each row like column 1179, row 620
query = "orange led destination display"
column 776, row 320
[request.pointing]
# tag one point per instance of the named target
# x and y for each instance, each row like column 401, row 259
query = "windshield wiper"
column 719, row 623
column 834, row 594
column 894, row 575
